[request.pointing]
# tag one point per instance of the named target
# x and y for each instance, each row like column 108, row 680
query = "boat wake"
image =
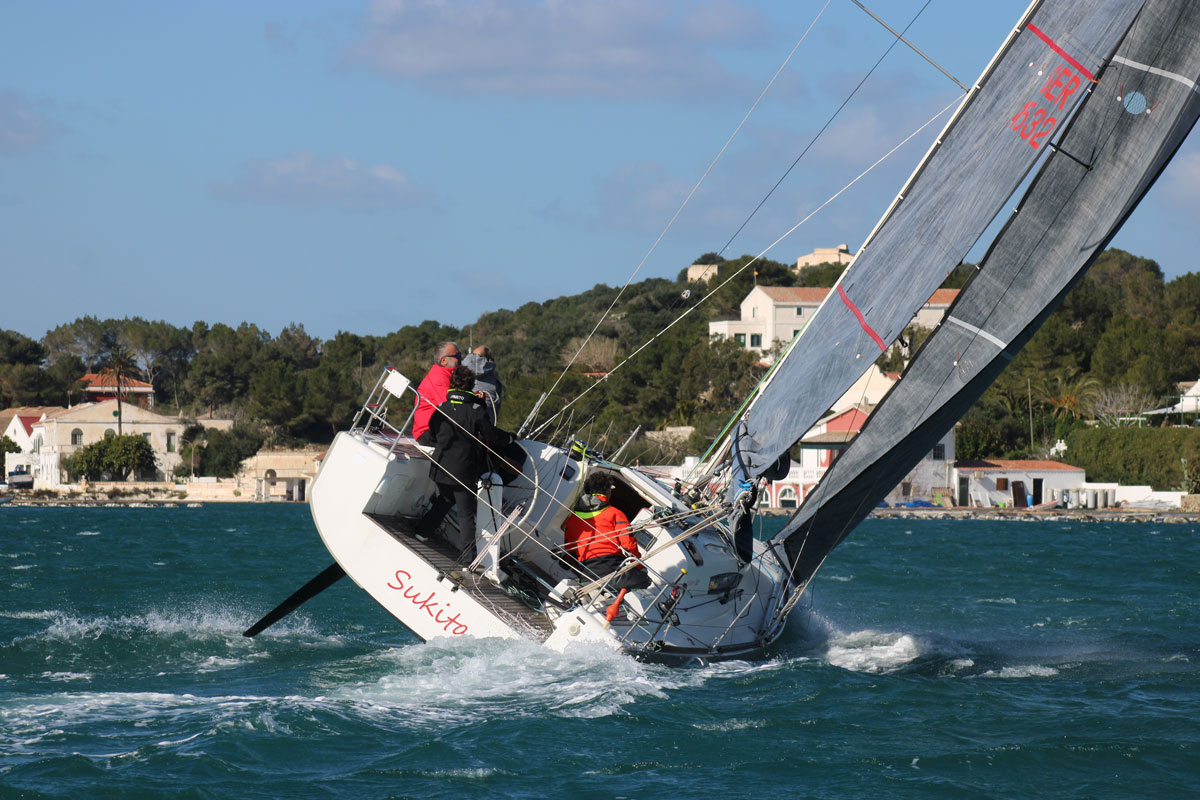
column 879, row 652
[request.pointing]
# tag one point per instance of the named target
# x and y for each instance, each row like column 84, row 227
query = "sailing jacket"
column 602, row 532
column 432, row 393
column 463, row 435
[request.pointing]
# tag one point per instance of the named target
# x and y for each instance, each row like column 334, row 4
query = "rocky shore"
column 1169, row 516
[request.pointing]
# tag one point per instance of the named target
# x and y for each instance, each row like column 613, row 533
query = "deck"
column 443, row 556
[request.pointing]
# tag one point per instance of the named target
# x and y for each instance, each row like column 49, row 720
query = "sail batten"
column 1026, row 92
column 1067, row 216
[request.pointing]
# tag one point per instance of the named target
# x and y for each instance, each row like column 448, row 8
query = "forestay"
column 1027, row 91
column 1120, row 140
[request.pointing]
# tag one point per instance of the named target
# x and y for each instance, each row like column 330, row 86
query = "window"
column 787, row 497
column 146, row 436
column 753, row 311
column 756, row 340
column 741, row 338
column 170, row 441
column 799, row 311
column 108, row 434
column 939, row 452
column 796, row 332
column 76, row 437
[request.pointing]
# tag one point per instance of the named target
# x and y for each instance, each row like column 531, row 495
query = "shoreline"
column 1166, row 516
column 1169, row 516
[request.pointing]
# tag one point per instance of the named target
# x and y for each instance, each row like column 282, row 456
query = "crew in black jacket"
column 464, row 434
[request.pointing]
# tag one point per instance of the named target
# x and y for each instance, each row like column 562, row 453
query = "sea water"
column 933, row 659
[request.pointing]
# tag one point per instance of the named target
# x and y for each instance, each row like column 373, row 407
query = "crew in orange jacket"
column 597, row 535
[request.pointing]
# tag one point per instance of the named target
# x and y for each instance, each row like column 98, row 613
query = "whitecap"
column 1027, row 671
column 19, row 567
column 1000, row 601
column 88, row 533
column 839, row 578
column 873, row 652
column 30, row 614
column 728, row 725
column 67, row 676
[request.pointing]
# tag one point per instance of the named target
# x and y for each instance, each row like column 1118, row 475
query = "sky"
column 360, row 166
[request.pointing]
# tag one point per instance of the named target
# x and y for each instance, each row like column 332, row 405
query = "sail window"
column 1134, row 102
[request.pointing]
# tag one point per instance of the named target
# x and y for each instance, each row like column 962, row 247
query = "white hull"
column 372, row 485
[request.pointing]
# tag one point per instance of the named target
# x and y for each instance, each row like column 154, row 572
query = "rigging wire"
column 756, row 258
column 912, row 46
column 688, row 199
column 828, row 122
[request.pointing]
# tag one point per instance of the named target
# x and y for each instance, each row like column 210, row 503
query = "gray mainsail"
column 978, row 161
column 1129, row 127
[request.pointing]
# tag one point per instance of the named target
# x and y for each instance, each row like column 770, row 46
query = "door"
column 1020, row 500
column 964, row 491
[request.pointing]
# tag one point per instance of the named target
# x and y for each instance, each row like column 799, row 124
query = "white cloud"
column 557, row 47
column 22, row 128
column 307, row 180
column 1181, row 182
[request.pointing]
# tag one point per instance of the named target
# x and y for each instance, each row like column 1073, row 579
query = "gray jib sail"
column 939, row 215
column 1121, row 139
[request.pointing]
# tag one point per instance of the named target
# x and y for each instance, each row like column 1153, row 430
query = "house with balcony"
column 931, row 478
column 771, row 315
column 61, row 433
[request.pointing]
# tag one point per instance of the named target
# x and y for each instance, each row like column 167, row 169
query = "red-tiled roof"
column 100, row 381
column 815, row 294
column 28, row 422
column 943, row 297
column 1016, row 465
column 36, row 412
column 796, row 294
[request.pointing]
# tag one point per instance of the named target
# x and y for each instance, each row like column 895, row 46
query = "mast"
column 976, row 163
column 1106, row 161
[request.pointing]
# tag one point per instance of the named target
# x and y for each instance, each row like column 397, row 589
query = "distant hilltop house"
column 841, row 254
column 60, row 432
column 825, row 255
column 103, row 386
column 771, row 314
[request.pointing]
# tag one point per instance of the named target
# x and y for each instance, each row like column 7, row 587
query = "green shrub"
column 1157, row 456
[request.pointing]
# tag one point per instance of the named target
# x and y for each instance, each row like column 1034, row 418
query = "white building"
column 60, row 433
column 772, row 314
column 825, row 255
column 1013, row 482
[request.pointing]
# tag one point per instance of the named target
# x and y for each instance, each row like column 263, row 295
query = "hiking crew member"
column 597, row 535
column 462, row 435
column 432, row 390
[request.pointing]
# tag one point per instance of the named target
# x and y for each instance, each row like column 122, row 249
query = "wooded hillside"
column 1118, row 344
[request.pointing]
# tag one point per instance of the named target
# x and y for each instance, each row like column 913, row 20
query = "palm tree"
column 119, row 365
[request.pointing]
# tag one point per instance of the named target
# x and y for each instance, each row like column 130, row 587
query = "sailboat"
column 1089, row 99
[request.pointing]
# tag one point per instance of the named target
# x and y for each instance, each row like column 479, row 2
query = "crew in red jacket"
column 433, row 388
column 597, row 535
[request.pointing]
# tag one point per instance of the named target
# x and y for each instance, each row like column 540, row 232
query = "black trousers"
column 452, row 494
column 603, row 565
